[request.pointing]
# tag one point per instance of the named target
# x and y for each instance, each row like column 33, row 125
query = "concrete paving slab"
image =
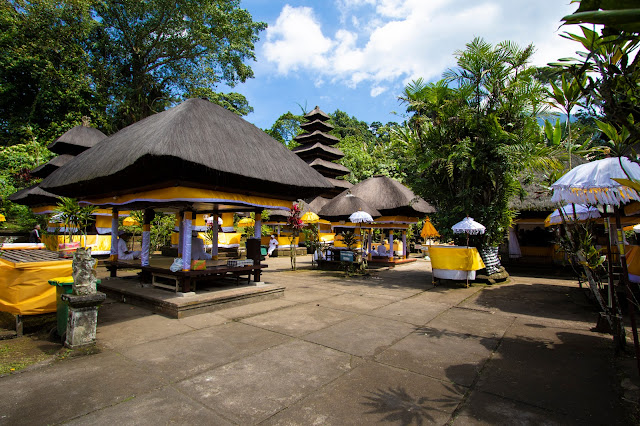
column 485, row 409
column 442, row 354
column 568, row 373
column 308, row 294
column 161, row 406
column 254, row 388
column 299, row 320
column 72, row 388
column 115, row 311
column 192, row 353
column 254, row 308
column 412, row 311
column 448, row 294
column 473, row 322
column 362, row 336
column 126, row 333
column 203, row 320
column 375, row 394
column 535, row 298
column 358, row 302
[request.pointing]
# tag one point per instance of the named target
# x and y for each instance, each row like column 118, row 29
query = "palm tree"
column 474, row 133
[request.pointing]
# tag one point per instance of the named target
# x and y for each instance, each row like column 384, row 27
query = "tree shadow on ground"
column 542, row 300
column 400, row 407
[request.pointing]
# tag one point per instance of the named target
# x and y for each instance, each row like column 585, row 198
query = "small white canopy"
column 593, row 183
column 468, row 226
column 360, row 217
column 582, row 212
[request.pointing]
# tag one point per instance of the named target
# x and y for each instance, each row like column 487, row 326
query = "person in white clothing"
column 273, row 244
column 197, row 248
column 123, row 250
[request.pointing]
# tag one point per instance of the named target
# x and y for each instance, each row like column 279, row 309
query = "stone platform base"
column 389, row 262
column 286, row 252
column 178, row 305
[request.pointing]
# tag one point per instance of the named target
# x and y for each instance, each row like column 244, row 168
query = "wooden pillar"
column 214, row 240
column 404, row 243
column 146, row 237
column 257, row 232
column 113, row 257
column 370, row 243
column 391, row 244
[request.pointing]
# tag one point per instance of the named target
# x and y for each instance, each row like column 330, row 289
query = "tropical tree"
column 286, row 128
column 472, row 135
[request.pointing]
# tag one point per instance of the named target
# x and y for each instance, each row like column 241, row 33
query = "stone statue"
column 84, row 273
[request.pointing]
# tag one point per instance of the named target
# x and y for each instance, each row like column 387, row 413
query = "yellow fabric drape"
column 25, row 289
column 455, row 258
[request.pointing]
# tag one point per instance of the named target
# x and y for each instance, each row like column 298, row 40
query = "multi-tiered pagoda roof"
column 316, row 148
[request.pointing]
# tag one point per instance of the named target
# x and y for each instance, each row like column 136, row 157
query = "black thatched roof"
column 34, row 196
column 391, row 197
column 318, row 150
column 537, row 198
column 196, row 143
column 315, row 204
column 317, row 136
column 314, row 125
column 317, row 114
column 344, row 205
column 327, row 168
column 76, row 140
column 44, row 170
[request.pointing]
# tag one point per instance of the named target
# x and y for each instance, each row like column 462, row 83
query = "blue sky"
column 358, row 55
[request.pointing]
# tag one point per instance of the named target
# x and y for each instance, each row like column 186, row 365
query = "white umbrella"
column 210, row 220
column 592, row 183
column 360, row 217
column 581, row 212
column 468, row 226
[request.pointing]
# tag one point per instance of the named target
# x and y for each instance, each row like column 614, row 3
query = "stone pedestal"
column 83, row 319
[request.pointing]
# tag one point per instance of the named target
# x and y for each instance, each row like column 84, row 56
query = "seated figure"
column 197, row 248
column 123, row 250
column 382, row 250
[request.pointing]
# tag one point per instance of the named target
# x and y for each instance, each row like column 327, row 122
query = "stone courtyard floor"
column 385, row 349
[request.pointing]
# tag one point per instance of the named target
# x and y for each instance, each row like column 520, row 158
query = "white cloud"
column 296, row 41
column 383, row 42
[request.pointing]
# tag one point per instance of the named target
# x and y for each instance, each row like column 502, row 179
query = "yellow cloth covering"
column 632, row 254
column 283, row 241
column 99, row 244
column 455, row 258
column 25, row 289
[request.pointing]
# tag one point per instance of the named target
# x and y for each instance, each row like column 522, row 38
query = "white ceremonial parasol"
column 360, row 217
column 468, row 226
column 581, row 212
column 592, row 183
column 599, row 182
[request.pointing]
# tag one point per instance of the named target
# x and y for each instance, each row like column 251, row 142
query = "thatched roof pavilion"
column 342, row 206
column 44, row 170
column 390, row 197
column 34, row 196
column 76, row 140
column 196, row 144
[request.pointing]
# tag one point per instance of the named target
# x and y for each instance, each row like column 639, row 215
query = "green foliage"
column 116, row 61
column 349, row 239
column 76, row 218
column 161, row 229
column 610, row 72
column 45, row 78
column 286, row 128
column 472, row 135
column 153, row 51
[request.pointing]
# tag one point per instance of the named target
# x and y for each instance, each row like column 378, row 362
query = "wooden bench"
column 184, row 279
column 113, row 267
